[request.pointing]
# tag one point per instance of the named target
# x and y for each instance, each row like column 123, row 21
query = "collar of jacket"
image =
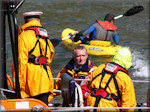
column 107, row 25
column 31, row 23
column 84, row 68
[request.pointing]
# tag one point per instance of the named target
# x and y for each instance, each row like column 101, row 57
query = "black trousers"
column 43, row 97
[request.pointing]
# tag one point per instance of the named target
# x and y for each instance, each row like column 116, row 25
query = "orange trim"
column 9, row 82
column 19, row 30
column 22, row 104
column 107, row 25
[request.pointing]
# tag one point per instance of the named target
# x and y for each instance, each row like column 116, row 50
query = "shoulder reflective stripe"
column 110, row 67
column 91, row 69
column 43, row 32
column 114, row 68
column 40, row 31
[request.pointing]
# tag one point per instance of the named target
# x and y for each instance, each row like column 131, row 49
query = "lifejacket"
column 41, row 60
column 110, row 68
column 107, row 26
column 83, row 73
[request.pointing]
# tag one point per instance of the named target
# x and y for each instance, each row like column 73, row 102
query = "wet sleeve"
column 128, row 95
column 51, row 53
column 23, row 59
column 84, row 33
column 91, row 29
column 88, row 31
column 116, row 39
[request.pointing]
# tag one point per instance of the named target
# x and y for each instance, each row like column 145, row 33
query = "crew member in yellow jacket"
column 111, row 84
column 78, row 67
column 35, row 55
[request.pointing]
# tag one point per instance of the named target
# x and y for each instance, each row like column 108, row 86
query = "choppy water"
column 79, row 14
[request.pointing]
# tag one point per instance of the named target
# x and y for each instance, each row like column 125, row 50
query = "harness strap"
column 106, row 35
column 46, row 46
column 40, row 48
column 96, row 76
column 40, row 33
column 33, row 47
column 44, row 66
column 101, row 93
column 116, row 84
column 103, row 74
column 116, row 98
column 98, row 98
column 112, row 76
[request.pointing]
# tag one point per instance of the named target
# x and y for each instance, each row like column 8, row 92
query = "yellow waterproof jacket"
column 126, row 88
column 57, row 84
column 33, row 78
column 71, row 72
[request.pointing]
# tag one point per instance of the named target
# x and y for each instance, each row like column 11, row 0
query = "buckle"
column 93, row 93
column 36, row 60
column 108, row 97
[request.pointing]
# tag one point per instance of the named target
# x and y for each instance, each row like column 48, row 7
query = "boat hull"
column 19, row 105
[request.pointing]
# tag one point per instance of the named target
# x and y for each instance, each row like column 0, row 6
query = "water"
column 79, row 14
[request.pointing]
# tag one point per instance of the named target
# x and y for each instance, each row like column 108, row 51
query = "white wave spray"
column 140, row 64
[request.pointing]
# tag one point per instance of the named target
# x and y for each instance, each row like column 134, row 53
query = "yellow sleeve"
column 51, row 52
column 128, row 95
column 57, row 84
column 23, row 59
column 96, row 71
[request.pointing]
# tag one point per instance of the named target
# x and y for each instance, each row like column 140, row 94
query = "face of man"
column 80, row 57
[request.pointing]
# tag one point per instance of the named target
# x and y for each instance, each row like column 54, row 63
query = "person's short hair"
column 79, row 47
column 109, row 17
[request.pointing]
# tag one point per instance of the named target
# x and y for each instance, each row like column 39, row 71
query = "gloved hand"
column 77, row 37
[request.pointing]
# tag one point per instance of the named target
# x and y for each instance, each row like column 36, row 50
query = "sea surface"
column 133, row 32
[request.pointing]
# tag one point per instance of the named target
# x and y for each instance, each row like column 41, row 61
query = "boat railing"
column 79, row 102
column 144, row 81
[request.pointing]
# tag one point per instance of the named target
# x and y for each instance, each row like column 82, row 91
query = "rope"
column 1, row 89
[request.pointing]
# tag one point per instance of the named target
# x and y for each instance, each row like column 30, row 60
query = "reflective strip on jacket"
column 33, row 78
column 72, row 73
column 125, row 84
